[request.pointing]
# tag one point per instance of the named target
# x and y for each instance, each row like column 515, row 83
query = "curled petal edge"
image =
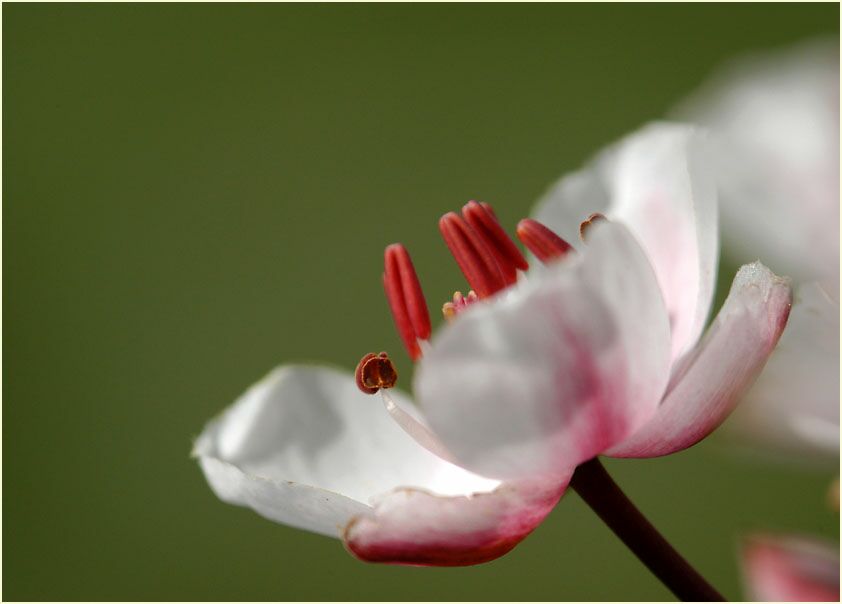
column 713, row 378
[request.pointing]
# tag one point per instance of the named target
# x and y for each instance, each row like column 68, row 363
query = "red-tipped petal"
column 541, row 241
column 475, row 261
column 416, row 527
column 508, row 256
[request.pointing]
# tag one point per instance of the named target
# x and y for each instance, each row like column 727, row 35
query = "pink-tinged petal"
column 794, row 405
column 549, row 374
column 728, row 360
column 411, row 526
column 774, row 120
column 305, row 447
column 791, row 569
column 657, row 182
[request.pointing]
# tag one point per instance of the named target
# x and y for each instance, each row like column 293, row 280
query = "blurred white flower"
column 774, row 120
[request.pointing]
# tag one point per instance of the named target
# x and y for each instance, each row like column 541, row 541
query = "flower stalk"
column 593, row 484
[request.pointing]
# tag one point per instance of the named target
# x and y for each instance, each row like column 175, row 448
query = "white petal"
column 794, row 406
column 724, row 365
column 657, row 182
column 409, row 526
column 551, row 373
column 775, row 121
column 306, row 448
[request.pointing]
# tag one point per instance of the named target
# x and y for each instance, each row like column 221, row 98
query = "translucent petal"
column 306, row 448
column 657, row 182
column 710, row 383
column 550, row 374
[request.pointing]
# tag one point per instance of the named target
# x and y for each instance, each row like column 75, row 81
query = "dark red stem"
column 593, row 484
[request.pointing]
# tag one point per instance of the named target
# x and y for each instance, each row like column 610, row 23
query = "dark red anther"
column 406, row 299
column 375, row 371
column 475, row 261
column 541, row 241
column 506, row 253
column 588, row 222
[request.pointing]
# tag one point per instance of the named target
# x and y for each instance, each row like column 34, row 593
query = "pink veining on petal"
column 598, row 422
column 415, row 527
column 791, row 569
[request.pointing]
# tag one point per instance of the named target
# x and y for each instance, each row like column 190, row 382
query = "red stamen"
column 406, row 299
column 506, row 253
column 413, row 294
column 487, row 207
column 475, row 261
column 541, row 241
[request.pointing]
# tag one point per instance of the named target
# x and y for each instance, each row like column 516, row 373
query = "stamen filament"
column 415, row 429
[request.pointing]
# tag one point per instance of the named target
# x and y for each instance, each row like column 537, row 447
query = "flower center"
column 489, row 260
column 487, row 257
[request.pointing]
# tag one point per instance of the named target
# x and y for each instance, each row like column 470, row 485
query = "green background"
column 196, row 193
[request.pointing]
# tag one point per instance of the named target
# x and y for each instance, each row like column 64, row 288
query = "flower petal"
column 410, row 526
column 711, row 382
column 656, row 182
column 305, row 447
column 791, row 569
column 549, row 374
column 794, row 405
column 775, row 124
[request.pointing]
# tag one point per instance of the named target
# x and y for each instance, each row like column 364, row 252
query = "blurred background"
column 194, row 194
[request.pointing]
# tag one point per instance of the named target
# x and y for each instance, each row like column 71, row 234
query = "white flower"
column 599, row 352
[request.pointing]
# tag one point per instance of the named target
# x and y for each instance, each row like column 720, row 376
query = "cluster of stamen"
column 487, row 257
